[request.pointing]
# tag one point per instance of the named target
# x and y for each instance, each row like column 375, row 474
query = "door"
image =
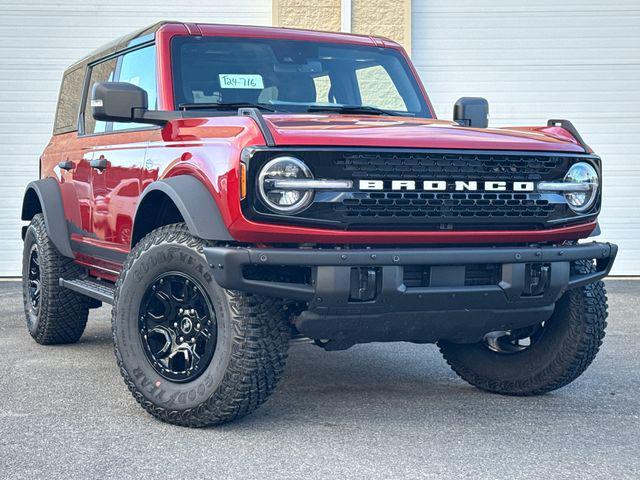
column 66, row 159
column 118, row 154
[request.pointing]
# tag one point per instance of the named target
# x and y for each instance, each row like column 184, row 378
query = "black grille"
column 474, row 275
column 482, row 274
column 451, row 166
column 418, row 209
column 447, row 206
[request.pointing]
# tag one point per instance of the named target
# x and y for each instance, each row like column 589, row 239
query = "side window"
column 139, row 68
column 102, row 72
column 377, row 88
column 69, row 102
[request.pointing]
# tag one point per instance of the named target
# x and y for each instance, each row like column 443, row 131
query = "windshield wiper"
column 224, row 106
column 366, row 109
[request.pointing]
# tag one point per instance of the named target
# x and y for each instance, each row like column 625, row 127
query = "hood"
column 403, row 132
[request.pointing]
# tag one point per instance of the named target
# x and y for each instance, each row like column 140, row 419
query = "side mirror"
column 117, row 101
column 471, row 112
column 125, row 102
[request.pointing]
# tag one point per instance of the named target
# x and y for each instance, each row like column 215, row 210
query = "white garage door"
column 575, row 59
column 38, row 40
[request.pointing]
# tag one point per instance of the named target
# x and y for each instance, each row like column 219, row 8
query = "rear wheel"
column 538, row 359
column 191, row 352
column 54, row 314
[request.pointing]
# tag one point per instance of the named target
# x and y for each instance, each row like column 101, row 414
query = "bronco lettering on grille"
column 442, row 185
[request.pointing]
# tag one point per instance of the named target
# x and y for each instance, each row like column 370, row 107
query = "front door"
column 118, row 155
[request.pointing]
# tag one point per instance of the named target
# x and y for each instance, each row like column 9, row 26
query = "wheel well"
column 30, row 205
column 156, row 210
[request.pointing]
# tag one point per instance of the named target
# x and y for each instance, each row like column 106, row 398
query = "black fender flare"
column 48, row 194
column 194, row 202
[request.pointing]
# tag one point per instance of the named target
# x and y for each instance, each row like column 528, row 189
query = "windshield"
column 293, row 76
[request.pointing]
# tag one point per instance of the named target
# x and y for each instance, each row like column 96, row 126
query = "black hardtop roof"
column 120, row 44
column 148, row 33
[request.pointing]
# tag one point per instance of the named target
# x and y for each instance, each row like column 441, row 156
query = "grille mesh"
column 450, row 205
column 447, row 207
column 451, row 166
column 474, row 275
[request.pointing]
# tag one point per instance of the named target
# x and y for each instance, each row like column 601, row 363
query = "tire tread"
column 586, row 311
column 63, row 312
column 259, row 347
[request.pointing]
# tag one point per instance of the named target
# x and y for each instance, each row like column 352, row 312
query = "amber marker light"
column 243, row 181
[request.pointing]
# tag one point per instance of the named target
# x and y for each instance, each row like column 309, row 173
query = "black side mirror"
column 125, row 102
column 471, row 112
column 117, row 101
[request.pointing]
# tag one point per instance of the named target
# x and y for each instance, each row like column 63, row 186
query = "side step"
column 90, row 287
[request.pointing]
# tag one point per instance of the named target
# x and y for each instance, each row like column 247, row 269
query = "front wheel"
column 538, row 359
column 191, row 352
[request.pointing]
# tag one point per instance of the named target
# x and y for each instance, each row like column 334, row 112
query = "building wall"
column 385, row 18
column 317, row 15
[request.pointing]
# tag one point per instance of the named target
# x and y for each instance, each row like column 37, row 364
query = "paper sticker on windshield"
column 240, row 80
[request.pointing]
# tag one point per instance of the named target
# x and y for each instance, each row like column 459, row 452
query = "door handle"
column 99, row 163
column 67, row 165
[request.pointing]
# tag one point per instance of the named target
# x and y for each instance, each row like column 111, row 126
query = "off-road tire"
column 62, row 313
column 570, row 341
column 251, row 348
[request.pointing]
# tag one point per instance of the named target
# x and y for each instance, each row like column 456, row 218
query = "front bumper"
column 445, row 309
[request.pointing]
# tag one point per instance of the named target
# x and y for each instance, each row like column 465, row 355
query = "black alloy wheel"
column 178, row 327
column 191, row 352
column 34, row 279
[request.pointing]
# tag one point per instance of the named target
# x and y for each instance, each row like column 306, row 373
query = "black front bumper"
column 445, row 309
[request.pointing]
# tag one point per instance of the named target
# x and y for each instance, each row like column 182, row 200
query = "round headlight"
column 283, row 200
column 584, row 173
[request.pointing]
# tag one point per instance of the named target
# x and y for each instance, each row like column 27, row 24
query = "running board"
column 97, row 289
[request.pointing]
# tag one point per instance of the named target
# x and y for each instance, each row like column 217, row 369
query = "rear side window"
column 69, row 102
column 101, row 72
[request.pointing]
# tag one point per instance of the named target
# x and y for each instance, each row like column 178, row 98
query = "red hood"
column 384, row 131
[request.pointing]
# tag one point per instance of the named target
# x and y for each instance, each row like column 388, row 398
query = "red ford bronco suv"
column 228, row 187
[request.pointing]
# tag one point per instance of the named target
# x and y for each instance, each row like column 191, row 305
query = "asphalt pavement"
column 388, row 411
